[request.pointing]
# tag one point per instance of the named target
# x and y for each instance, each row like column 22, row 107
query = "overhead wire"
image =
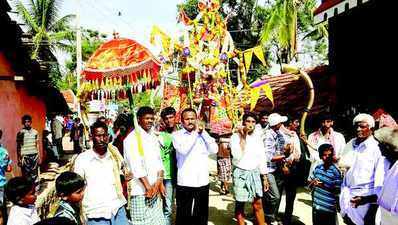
column 109, row 15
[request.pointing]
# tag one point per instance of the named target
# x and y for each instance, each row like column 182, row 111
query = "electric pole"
column 78, row 51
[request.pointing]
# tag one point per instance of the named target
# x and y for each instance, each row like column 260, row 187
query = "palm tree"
column 48, row 31
column 286, row 19
column 281, row 26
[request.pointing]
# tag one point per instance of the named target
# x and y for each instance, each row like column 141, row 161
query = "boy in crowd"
column 224, row 164
column 325, row 181
column 21, row 192
column 28, row 149
column 70, row 188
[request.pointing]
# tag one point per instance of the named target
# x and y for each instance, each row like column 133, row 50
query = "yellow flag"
column 166, row 40
column 268, row 93
column 258, row 51
column 248, row 54
column 254, row 95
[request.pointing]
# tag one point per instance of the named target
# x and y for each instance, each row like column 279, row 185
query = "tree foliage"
column 280, row 25
column 48, row 31
column 289, row 23
column 91, row 40
column 244, row 20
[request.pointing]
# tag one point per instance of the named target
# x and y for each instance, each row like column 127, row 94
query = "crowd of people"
column 135, row 174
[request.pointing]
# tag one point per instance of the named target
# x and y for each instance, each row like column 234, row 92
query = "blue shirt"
column 4, row 162
column 326, row 199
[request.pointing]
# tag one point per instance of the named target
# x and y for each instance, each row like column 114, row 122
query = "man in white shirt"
column 363, row 162
column 142, row 154
column 103, row 202
column 325, row 135
column 263, row 124
column 249, row 159
column 388, row 199
column 193, row 146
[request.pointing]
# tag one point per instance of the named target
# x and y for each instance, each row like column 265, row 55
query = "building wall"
column 362, row 55
column 15, row 102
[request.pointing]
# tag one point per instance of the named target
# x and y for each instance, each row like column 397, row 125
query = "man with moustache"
column 141, row 150
column 263, row 124
column 103, row 202
column 193, row 146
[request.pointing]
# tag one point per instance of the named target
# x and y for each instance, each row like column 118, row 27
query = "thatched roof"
column 291, row 93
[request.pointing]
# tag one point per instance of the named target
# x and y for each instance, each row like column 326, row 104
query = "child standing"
column 21, row 192
column 70, row 188
column 325, row 181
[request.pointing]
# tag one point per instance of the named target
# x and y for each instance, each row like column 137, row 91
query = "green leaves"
column 28, row 18
column 287, row 19
column 47, row 31
column 282, row 27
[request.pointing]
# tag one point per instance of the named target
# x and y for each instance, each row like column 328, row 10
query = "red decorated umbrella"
column 118, row 66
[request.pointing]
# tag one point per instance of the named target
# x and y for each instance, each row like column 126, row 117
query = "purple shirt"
column 389, row 194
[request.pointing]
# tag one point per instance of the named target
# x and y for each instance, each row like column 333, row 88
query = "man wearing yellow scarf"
column 141, row 150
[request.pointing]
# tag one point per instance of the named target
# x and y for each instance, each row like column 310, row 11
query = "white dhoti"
column 355, row 214
column 387, row 217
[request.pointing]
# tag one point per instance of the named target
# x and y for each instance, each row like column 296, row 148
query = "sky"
column 130, row 18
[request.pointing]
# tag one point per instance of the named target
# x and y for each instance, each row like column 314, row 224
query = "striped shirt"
column 322, row 199
column 28, row 139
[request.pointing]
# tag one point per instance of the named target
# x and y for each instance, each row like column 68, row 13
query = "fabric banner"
column 165, row 39
column 258, row 51
column 248, row 58
column 268, row 93
column 254, row 96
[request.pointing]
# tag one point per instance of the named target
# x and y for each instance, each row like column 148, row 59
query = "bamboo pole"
column 310, row 86
column 190, row 91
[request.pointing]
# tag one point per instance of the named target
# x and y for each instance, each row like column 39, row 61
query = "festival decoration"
column 117, row 67
column 256, row 88
column 201, row 57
